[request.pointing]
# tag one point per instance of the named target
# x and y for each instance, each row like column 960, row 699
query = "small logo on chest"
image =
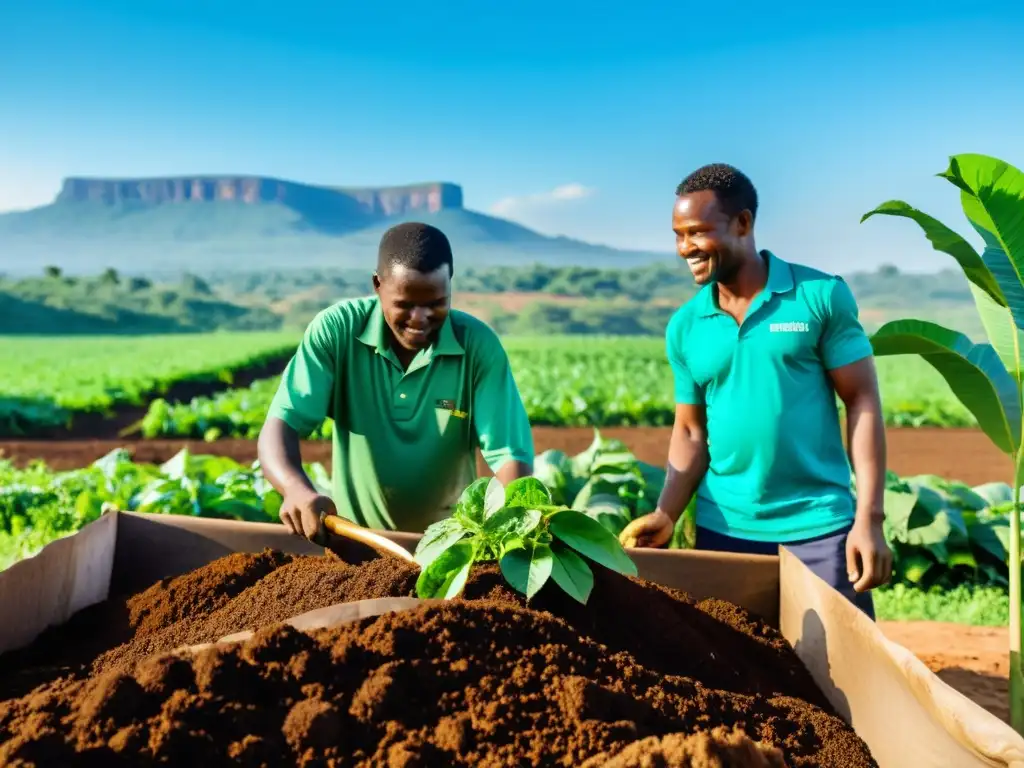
column 797, row 327
column 449, row 405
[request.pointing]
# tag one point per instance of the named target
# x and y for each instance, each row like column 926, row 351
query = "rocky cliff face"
column 386, row 201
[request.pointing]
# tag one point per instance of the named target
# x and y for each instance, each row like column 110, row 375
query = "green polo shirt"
column 404, row 440
column 778, row 466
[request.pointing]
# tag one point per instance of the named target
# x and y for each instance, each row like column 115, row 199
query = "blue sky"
column 573, row 118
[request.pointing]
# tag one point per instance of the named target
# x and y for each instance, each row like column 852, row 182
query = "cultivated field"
column 70, row 402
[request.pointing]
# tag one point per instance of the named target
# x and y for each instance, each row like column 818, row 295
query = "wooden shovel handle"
column 339, row 526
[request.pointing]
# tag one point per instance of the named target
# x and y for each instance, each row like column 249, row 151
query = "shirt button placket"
column 403, row 405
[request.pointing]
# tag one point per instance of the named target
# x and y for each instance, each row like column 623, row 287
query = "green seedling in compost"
column 532, row 539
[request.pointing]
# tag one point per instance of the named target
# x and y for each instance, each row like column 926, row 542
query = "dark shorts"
column 825, row 556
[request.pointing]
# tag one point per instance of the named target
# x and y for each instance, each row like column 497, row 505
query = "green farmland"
column 574, row 381
column 48, row 379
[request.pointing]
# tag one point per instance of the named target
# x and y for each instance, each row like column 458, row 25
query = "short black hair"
column 416, row 246
column 734, row 190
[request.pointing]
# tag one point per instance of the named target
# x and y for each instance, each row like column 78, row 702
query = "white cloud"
column 512, row 206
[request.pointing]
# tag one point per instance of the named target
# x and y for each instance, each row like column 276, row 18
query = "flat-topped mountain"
column 204, row 223
column 254, row 190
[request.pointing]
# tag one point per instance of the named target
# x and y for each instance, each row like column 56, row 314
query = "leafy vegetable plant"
column 532, row 538
column 987, row 378
column 608, row 483
column 945, row 534
column 38, row 506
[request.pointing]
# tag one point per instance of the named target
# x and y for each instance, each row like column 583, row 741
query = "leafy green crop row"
column 46, row 380
column 943, row 533
column 38, row 506
column 571, row 382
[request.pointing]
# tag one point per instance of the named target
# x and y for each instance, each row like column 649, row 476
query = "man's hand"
column 301, row 512
column 652, row 530
column 868, row 557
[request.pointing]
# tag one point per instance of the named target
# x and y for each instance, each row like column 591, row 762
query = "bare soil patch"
column 960, row 454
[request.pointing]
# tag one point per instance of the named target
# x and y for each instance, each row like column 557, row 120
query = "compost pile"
column 641, row 676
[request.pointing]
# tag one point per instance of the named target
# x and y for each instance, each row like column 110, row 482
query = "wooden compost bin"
column 906, row 715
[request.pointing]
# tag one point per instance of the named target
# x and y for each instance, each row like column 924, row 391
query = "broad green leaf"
column 527, row 492
column 437, row 538
column 176, row 467
column 115, row 462
column 471, row 503
column 1000, row 301
column 494, row 498
column 511, row 521
column 992, row 536
column 513, row 542
column 1001, row 326
column 994, row 493
column 898, row 508
column 571, row 573
column 965, row 497
column 947, row 241
column 553, row 467
column 994, row 574
column 446, row 576
column 527, row 569
column 932, row 501
column 610, row 511
column 618, row 462
column 935, row 532
column 973, row 371
column 961, row 558
column 607, row 484
column 582, row 463
column 684, row 535
column 591, row 540
column 916, row 567
column 993, row 199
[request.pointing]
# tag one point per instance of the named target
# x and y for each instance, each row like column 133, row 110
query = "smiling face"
column 414, row 304
column 711, row 241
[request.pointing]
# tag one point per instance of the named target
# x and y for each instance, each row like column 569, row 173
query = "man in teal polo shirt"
column 414, row 388
column 758, row 357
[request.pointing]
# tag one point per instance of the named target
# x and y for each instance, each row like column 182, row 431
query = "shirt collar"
column 374, row 335
column 780, row 280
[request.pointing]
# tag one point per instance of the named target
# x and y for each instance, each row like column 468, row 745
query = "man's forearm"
column 513, row 470
column 687, row 464
column 866, row 444
column 281, row 458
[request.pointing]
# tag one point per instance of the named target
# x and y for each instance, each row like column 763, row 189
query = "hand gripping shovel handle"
column 339, row 526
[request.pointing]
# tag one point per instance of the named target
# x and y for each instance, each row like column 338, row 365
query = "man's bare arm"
column 868, row 557
column 687, row 459
column 857, row 386
column 687, row 462
column 513, row 470
column 281, row 457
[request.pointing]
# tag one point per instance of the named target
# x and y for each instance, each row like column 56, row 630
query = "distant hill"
column 207, row 224
column 114, row 304
column 530, row 299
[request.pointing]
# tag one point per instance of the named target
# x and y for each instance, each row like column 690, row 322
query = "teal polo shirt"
column 778, row 466
column 405, row 440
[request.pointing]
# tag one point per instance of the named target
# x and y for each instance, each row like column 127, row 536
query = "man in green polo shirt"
column 414, row 388
column 758, row 357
